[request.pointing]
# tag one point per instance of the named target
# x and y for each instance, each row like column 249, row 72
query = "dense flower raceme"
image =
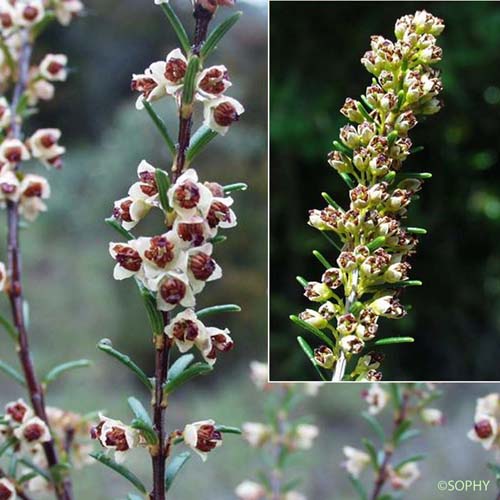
column 69, row 431
column 280, row 437
column 408, row 403
column 361, row 287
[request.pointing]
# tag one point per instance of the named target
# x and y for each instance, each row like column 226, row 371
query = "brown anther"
column 30, row 13
column 33, row 432
column 34, row 190
column 48, row 140
column 175, row 70
column 185, row 330
column 127, row 257
column 483, row 429
column 212, row 82
column 117, row 438
column 160, row 251
column 173, row 290
column 17, row 411
column 225, row 114
column 218, row 212
column 187, row 195
column 202, row 266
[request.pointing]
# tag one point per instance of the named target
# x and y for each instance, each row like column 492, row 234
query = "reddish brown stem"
column 382, row 473
column 63, row 490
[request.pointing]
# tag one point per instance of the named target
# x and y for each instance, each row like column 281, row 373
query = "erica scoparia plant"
column 279, row 438
column 486, row 431
column 393, row 471
column 37, row 443
column 173, row 266
column 373, row 241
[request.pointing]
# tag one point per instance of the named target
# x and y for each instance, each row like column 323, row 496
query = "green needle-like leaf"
column 372, row 451
column 310, row 355
column 139, row 411
column 111, row 221
column 330, row 200
column 180, row 365
column 395, row 340
column 154, row 315
column 224, row 308
column 177, row 27
column 416, row 230
column 375, row 425
column 227, row 429
column 161, row 126
column 193, row 371
column 146, row 430
column 163, row 184
column 8, row 443
column 203, row 136
column 414, row 175
column 12, row 373
column 58, row 370
column 190, row 80
column 376, row 243
column 41, row 472
column 106, row 346
column 322, row 259
column 220, row 238
column 341, row 148
column 302, row 281
column 332, row 241
column 312, row 329
column 9, row 327
column 218, row 33
column 238, row 186
column 174, row 467
column 120, row 469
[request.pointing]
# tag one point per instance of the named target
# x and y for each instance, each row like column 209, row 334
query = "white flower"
column 294, row 495
column 256, row 434
column 115, row 435
column 489, row 405
column 7, row 18
column 13, row 151
column 432, row 416
column 188, row 197
column 356, row 461
column 3, row 277
column 259, row 374
column 485, row 431
column 249, row 490
column 9, row 186
column 146, row 188
column 376, row 398
column 18, row 411
column 201, row 268
column 159, row 253
column 29, row 12
column 313, row 318
column 39, row 89
column 217, row 341
column 212, row 82
column 44, row 146
column 32, row 432
column 152, row 84
column 66, row 10
column 388, row 307
column 186, row 330
column 5, row 114
column 173, row 290
column 220, row 113
column 175, row 70
column 405, row 476
column 351, row 343
column 33, row 189
column 220, row 213
column 304, row 436
column 159, row 2
column 193, row 231
column 202, row 437
column 7, row 490
column 128, row 259
column 54, row 67
column 312, row 389
column 130, row 211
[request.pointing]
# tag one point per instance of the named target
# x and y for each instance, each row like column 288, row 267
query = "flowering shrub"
column 374, row 245
column 280, row 437
column 486, row 429
column 37, row 443
column 173, row 266
column 409, row 403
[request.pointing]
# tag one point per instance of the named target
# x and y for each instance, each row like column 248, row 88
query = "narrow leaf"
column 163, row 184
column 330, row 201
column 120, row 469
column 410, row 434
column 395, row 340
column 160, row 125
column 203, row 136
column 372, row 451
column 180, row 365
column 220, row 238
column 106, row 346
column 375, row 425
column 322, row 259
column 414, row 458
column 227, row 429
column 111, row 221
column 360, row 489
column 218, row 33
column 347, row 179
column 343, row 149
column 177, row 27
column 154, row 315
column 8, row 443
column 416, row 230
column 376, row 243
column 193, row 371
column 174, row 467
column 302, row 281
column 57, row 371
column 310, row 355
column 146, row 430
column 400, row 430
column 41, row 472
column 414, row 175
column 12, row 373
column 190, row 80
column 9, row 327
column 312, row 329
column 207, row 311
column 139, row 411
column 237, row 186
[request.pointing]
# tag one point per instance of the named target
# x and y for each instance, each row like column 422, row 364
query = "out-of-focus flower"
column 32, row 431
column 405, row 476
column 356, row 461
column 256, row 434
column 33, row 189
column 432, row 416
column 5, row 114
column 28, row 12
column 44, row 146
column 202, row 437
column 376, row 398
column 304, row 436
column 3, row 277
column 54, row 67
column 67, row 10
column 259, row 374
column 9, row 186
column 250, row 490
column 7, row 490
column 18, row 411
column 13, row 151
column 485, row 431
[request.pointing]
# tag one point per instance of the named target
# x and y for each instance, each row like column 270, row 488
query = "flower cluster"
column 166, row 78
column 408, row 401
column 26, row 434
column 280, row 437
column 374, row 244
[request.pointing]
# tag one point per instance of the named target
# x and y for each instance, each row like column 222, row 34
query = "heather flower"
column 17, row 412
column 250, row 490
column 432, row 416
column 356, row 462
column 221, row 113
column 54, row 67
column 202, row 437
column 201, row 267
column 13, row 151
column 9, row 186
column 128, row 260
column 405, row 476
column 67, row 10
column 376, row 398
column 175, row 70
column 304, row 436
column 7, row 490
column 256, row 434
column 44, row 146
column 186, row 330
column 33, row 189
column 28, row 12
column 32, row 431
column 212, row 82
column 152, row 84
column 3, row 277
column 259, row 374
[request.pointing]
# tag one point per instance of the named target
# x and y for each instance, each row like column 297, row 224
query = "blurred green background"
column 73, row 298
column 315, row 52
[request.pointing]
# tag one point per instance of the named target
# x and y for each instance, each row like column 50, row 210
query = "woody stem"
column 63, row 489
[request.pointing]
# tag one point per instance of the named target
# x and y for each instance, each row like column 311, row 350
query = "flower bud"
column 329, row 310
column 432, row 416
column 313, row 318
column 317, row 292
column 351, row 111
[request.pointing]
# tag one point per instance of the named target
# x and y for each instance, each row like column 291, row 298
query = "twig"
column 63, row 489
column 276, row 474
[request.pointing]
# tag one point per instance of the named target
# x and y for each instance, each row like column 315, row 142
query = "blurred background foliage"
column 74, row 301
column 315, row 53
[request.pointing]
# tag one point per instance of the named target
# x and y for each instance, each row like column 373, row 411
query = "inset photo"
column 384, row 191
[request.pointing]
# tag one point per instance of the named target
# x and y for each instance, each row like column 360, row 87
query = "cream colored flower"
column 256, row 434
column 217, row 341
column 259, row 374
column 44, row 146
column 29, row 12
column 432, row 416
column 67, row 10
column 250, row 490
column 201, row 267
column 7, row 490
column 356, row 462
column 152, row 84
column 202, row 437
column 221, row 113
column 212, row 82
column 304, row 436
column 128, row 260
column 130, row 211
column 376, row 398
column 54, row 67
column 32, row 431
column 485, row 431
column 5, row 114
column 13, row 151
column 175, row 70
column 33, row 189
column 172, row 290
column 159, row 253
column 17, row 412
column 405, row 476
column 186, row 330
column 9, row 186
